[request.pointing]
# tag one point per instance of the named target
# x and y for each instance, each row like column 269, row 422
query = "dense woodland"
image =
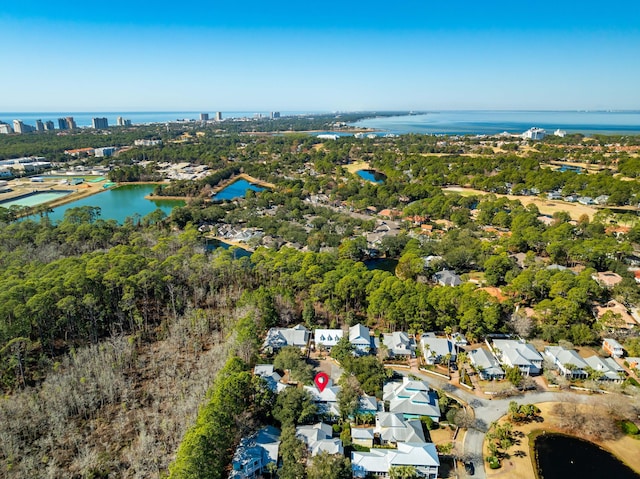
column 119, row 331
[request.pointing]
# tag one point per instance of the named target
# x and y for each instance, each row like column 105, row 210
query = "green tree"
column 329, row 466
column 514, row 375
column 294, row 406
column 403, row 472
column 289, row 358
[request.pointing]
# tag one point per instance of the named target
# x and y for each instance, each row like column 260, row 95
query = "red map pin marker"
column 321, row 381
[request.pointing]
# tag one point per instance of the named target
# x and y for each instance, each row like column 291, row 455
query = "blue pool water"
column 237, row 189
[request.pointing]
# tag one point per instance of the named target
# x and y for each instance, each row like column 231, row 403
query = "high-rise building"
column 5, row 129
column 218, row 116
column 275, row 114
column 39, row 125
column 120, row 121
column 71, row 123
column 18, row 126
column 204, row 116
column 48, row 125
column 99, row 123
column 62, row 123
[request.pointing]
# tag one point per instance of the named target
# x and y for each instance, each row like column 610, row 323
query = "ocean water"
column 83, row 119
column 494, row 122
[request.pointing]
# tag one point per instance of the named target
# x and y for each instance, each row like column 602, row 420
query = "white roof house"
column 399, row 344
column 435, row 349
column 568, row 362
column 412, row 399
column 447, row 278
column 634, row 363
column 613, row 347
column 327, row 337
column 278, row 338
column 272, row 378
column 518, row 354
column 393, row 428
column 327, row 400
column 609, row 369
column 487, row 366
column 255, row 452
column 362, row 436
column 319, row 438
column 360, row 337
column 377, row 462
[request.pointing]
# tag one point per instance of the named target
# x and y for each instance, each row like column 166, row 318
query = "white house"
column 319, row 438
column 534, row 133
column 254, row 453
column 486, row 365
column 278, row 338
column 447, row 278
column 327, row 337
column 360, row 337
column 362, row 436
column 399, row 344
column 327, row 400
column 435, row 349
column 392, row 428
column 518, row 354
column 412, row 399
column 607, row 367
column 272, row 378
column 568, row 362
column 377, row 462
column 613, row 347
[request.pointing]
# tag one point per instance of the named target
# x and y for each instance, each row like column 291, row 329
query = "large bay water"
column 120, row 203
column 494, row 122
column 562, row 457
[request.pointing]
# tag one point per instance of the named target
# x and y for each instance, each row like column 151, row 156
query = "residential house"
column 447, row 278
column 607, row 279
column 518, row 354
column 362, row 436
column 613, row 347
column 368, row 404
column 614, row 315
column 487, row 366
column 459, row 339
column 319, row 438
column 412, row 399
column 602, row 200
column 272, row 378
column 607, row 368
column 328, row 338
column 554, row 195
column 327, row 399
column 634, row 363
column 586, row 200
column 436, row 349
column 360, row 337
column 278, row 338
column 378, row 462
column 568, row 362
column 399, row 344
column 392, row 428
column 254, row 453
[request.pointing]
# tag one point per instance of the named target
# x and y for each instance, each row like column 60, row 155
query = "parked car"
column 470, row 468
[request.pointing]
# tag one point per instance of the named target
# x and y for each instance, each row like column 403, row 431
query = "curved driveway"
column 486, row 411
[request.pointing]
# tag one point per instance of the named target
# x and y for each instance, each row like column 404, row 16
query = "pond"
column 119, row 203
column 384, row 264
column 237, row 189
column 559, row 457
column 214, row 244
column 371, row 175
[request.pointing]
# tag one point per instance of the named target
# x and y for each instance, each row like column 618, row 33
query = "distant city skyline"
column 350, row 56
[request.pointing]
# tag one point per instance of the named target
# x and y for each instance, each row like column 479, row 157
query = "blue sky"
column 286, row 55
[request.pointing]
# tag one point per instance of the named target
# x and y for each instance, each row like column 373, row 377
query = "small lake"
column 384, row 264
column 214, row 244
column 237, row 189
column 561, row 457
column 372, row 175
column 119, row 203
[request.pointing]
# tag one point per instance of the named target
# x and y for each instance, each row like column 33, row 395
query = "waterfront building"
column 204, row 116
column 48, row 125
column 99, row 123
column 5, row 129
column 71, row 123
column 534, row 133
column 18, row 126
column 62, row 123
column 275, row 115
column 39, row 125
column 218, row 116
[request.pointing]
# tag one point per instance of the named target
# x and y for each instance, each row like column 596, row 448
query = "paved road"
column 486, row 411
